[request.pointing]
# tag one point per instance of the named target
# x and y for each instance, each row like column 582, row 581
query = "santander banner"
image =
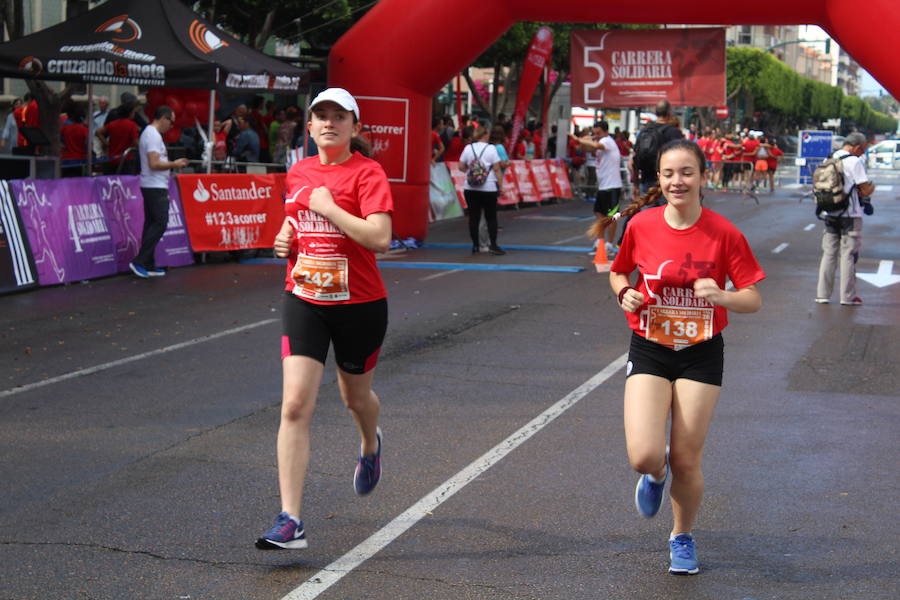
column 537, row 58
column 232, row 211
column 630, row 68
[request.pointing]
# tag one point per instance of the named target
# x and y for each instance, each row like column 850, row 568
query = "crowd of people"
column 256, row 131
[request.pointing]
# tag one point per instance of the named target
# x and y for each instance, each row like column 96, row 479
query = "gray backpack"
column 828, row 186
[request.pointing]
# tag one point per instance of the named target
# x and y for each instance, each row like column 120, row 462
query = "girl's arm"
column 373, row 232
column 744, row 300
column 285, row 239
column 632, row 300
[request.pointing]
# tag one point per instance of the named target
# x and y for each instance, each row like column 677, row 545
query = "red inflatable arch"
column 402, row 52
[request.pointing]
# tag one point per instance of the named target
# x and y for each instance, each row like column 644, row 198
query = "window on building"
column 745, row 35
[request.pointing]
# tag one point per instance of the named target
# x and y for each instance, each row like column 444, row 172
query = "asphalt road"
column 138, row 422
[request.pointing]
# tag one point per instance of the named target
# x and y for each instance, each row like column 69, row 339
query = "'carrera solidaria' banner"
column 638, row 67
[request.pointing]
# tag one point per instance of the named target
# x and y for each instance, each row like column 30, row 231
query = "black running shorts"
column 607, row 200
column 701, row 362
column 356, row 330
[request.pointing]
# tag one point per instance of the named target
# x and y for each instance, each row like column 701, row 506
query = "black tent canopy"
column 147, row 43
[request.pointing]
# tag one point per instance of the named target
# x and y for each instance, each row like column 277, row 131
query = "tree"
column 314, row 22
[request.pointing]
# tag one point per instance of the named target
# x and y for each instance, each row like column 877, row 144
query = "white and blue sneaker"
column 648, row 493
column 683, row 555
column 286, row 533
column 156, row 272
column 139, row 271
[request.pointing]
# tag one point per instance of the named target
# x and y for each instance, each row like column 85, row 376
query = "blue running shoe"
column 285, row 533
column 368, row 470
column 157, row 272
column 648, row 494
column 683, row 555
column 139, row 271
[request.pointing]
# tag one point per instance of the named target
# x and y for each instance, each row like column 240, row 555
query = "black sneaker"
column 497, row 251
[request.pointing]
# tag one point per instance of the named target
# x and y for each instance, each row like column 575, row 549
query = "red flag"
column 538, row 56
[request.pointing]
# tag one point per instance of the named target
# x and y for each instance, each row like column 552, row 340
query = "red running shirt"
column 337, row 269
column 669, row 261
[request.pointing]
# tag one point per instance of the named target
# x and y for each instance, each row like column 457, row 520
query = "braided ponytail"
column 596, row 230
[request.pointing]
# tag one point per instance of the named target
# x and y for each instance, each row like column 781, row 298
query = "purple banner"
column 87, row 227
column 66, row 228
column 124, row 205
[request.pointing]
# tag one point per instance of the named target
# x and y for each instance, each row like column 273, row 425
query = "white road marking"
column 334, row 572
column 885, row 188
column 809, row 227
column 780, row 248
column 567, row 240
column 136, row 357
column 441, row 274
column 792, row 186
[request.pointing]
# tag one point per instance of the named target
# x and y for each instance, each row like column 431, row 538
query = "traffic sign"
column 722, row 112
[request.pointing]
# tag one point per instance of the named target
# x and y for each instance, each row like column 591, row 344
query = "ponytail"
column 596, row 230
column 361, row 145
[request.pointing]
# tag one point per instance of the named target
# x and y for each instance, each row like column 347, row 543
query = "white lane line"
column 123, row 361
column 792, row 186
column 780, row 248
column 441, row 274
column 885, row 188
column 809, row 227
column 334, row 572
column 567, row 240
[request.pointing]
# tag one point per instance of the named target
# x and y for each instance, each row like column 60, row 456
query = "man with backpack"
column 651, row 138
column 842, row 190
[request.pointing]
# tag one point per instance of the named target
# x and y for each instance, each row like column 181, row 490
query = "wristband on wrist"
column 622, row 293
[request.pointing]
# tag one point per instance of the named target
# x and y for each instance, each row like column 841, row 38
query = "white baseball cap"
column 339, row 96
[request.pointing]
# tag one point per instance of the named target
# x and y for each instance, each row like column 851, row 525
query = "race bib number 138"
column 679, row 327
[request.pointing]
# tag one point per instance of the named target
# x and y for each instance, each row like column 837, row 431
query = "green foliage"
column 317, row 22
column 775, row 87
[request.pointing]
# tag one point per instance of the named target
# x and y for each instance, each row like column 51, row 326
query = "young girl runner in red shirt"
column 338, row 215
column 676, row 309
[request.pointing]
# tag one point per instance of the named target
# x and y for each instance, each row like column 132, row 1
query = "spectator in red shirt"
column 74, row 135
column 437, row 146
column 750, row 145
column 458, row 143
column 117, row 137
column 774, row 154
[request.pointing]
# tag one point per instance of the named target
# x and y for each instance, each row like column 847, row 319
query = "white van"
column 884, row 155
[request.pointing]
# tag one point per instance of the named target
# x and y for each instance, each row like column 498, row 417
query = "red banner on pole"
column 638, row 67
column 537, row 58
column 232, row 212
column 509, row 196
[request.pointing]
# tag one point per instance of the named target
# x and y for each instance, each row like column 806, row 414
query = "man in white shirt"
column 155, row 172
column 609, row 177
column 843, row 229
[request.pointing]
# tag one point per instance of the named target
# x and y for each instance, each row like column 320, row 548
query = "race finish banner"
column 232, row 211
column 815, row 146
column 637, row 67
column 16, row 265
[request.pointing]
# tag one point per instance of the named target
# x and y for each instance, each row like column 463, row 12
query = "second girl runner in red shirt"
column 338, row 215
column 677, row 309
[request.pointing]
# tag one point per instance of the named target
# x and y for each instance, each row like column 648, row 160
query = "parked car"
column 788, row 143
column 884, row 155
